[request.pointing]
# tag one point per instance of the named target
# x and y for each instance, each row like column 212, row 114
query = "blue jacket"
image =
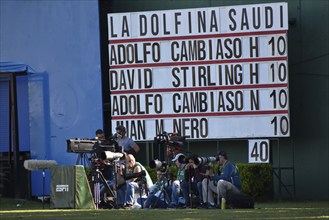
column 228, row 172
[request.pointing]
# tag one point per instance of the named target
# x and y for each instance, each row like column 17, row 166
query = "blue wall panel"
column 60, row 41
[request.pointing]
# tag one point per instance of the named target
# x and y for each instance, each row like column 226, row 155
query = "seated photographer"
column 158, row 197
column 194, row 174
column 134, row 182
column 226, row 181
column 176, row 184
column 129, row 146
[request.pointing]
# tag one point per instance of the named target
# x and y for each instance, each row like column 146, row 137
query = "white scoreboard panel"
column 219, row 72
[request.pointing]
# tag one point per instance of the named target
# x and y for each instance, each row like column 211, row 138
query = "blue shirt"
column 125, row 142
column 228, row 172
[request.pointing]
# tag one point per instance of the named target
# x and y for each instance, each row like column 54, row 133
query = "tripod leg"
column 190, row 186
column 140, row 194
column 96, row 190
column 96, row 194
column 162, row 193
column 106, row 185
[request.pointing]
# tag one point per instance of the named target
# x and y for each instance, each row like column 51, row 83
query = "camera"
column 160, row 166
column 205, row 160
column 129, row 176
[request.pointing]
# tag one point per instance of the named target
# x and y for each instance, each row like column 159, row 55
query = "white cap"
column 177, row 156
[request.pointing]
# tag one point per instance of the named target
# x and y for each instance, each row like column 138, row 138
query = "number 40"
column 259, row 151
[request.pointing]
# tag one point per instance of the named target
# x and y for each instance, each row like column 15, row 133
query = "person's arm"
column 225, row 175
column 134, row 148
column 137, row 169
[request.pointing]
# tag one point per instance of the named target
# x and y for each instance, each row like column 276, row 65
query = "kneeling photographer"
column 226, row 181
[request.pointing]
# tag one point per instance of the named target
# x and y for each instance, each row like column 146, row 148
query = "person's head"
column 121, row 131
column 160, row 175
column 191, row 160
column 222, row 155
column 178, row 158
column 130, row 160
column 100, row 134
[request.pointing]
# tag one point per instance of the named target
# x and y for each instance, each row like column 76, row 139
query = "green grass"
column 270, row 210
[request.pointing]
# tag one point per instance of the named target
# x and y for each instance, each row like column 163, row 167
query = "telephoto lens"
column 160, row 166
column 205, row 160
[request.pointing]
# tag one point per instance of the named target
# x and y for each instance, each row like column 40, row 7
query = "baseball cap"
column 223, row 154
column 177, row 156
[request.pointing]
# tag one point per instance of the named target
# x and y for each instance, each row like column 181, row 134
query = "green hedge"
column 256, row 178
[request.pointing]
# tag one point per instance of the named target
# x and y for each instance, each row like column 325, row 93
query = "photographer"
column 180, row 161
column 226, row 181
column 134, row 184
column 130, row 147
column 194, row 174
column 157, row 197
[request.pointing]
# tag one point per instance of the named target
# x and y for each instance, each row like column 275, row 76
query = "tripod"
column 190, row 185
column 97, row 178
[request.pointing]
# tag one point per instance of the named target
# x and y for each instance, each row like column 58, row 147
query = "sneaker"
column 120, row 206
column 128, row 206
column 204, row 206
column 212, row 207
column 207, row 206
column 172, row 206
column 136, row 206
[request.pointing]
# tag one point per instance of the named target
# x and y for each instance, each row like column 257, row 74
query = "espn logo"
column 62, row 188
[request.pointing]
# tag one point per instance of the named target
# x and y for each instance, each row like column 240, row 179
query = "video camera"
column 158, row 165
column 171, row 139
column 205, row 160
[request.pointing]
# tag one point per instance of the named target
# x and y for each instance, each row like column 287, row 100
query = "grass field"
column 33, row 210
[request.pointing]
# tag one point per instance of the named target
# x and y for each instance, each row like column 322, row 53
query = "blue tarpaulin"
column 12, row 67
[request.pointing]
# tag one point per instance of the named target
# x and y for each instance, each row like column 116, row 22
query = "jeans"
column 199, row 186
column 196, row 188
column 175, row 187
column 130, row 192
column 121, row 195
column 154, row 202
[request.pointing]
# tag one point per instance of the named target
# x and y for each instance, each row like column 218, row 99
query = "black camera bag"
column 240, row 201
